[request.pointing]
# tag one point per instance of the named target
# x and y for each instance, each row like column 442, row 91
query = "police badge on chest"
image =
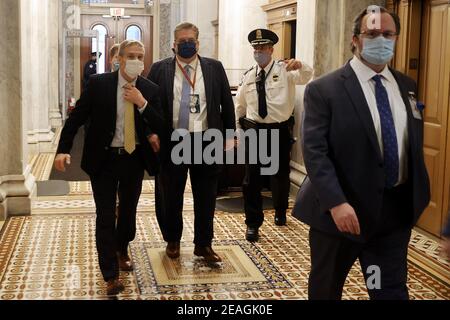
column 194, row 104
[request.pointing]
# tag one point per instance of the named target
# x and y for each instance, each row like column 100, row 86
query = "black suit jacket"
column 343, row 157
column 98, row 103
column 219, row 101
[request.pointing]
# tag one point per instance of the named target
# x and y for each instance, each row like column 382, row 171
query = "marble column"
column 53, row 70
column 165, row 27
column 40, row 135
column 236, row 20
column 16, row 183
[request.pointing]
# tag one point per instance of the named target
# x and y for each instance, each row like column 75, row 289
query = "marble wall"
column 334, row 21
column 168, row 17
column 236, row 20
column 16, row 183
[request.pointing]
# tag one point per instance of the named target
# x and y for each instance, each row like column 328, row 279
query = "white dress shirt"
column 398, row 108
column 119, row 136
column 198, row 122
column 280, row 92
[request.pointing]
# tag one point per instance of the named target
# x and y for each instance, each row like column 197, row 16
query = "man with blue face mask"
column 195, row 97
column 266, row 97
column 121, row 142
column 367, row 182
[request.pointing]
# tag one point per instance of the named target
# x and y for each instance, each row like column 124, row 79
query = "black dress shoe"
column 207, row 253
column 173, row 249
column 252, row 234
column 280, row 218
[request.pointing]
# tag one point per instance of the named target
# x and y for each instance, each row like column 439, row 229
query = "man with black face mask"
column 363, row 150
column 195, row 97
column 266, row 97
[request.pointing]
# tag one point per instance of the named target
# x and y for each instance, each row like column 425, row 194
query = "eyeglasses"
column 372, row 34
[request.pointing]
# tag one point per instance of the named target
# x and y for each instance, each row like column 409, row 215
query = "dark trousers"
column 279, row 183
column 121, row 176
column 333, row 256
column 170, row 187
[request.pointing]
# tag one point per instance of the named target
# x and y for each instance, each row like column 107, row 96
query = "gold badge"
column 275, row 78
column 258, row 34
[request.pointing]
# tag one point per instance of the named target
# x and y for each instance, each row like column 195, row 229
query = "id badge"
column 195, row 103
column 413, row 104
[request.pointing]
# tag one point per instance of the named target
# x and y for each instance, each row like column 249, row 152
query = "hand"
column 230, row 144
column 61, row 160
column 292, row 65
column 445, row 250
column 133, row 95
column 345, row 218
column 155, row 143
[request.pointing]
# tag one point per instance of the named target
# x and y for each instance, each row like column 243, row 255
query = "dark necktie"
column 261, row 89
column 390, row 144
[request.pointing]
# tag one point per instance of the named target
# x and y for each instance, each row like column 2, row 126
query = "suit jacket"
column 219, row 101
column 98, row 103
column 343, row 157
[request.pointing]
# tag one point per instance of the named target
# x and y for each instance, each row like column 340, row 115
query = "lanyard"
column 192, row 83
column 267, row 75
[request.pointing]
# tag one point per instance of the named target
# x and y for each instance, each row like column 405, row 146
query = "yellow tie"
column 129, row 128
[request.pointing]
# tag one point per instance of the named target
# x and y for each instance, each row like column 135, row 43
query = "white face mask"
column 134, row 68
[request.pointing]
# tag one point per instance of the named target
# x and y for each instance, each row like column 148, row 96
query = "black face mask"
column 187, row 50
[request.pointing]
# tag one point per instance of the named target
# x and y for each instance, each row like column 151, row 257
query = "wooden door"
column 423, row 53
column 116, row 33
column 434, row 86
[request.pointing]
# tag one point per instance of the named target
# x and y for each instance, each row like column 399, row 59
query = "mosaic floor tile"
column 52, row 255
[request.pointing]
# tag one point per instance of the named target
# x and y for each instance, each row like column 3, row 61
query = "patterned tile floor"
column 51, row 255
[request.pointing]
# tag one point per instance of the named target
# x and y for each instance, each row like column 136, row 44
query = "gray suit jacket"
column 343, row 158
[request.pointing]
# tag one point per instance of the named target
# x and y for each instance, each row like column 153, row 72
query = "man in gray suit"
column 363, row 150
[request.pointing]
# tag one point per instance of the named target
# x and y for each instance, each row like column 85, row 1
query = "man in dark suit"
column 125, row 116
column 363, row 150
column 90, row 68
column 195, row 97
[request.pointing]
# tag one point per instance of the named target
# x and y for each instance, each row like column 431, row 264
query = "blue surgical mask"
column 187, row 50
column 378, row 51
column 262, row 58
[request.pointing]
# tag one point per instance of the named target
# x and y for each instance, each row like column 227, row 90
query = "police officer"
column 90, row 68
column 266, row 100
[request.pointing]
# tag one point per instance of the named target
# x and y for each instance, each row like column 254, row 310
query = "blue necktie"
column 390, row 144
column 183, row 119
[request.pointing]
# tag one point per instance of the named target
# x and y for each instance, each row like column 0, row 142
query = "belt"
column 251, row 124
column 119, row 151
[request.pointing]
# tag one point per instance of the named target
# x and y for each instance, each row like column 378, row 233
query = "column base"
column 55, row 118
column 41, row 141
column 16, row 192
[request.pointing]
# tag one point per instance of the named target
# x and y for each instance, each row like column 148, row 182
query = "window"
column 100, row 47
column 134, row 33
